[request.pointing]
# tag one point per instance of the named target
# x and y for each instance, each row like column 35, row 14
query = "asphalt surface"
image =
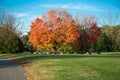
column 11, row 71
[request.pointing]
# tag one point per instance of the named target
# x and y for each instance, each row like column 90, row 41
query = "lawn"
column 69, row 67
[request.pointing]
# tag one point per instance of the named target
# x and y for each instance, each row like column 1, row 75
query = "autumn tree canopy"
column 89, row 31
column 53, row 29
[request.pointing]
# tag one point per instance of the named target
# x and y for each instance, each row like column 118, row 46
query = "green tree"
column 113, row 34
column 9, row 42
column 27, row 45
column 104, row 44
column 9, row 35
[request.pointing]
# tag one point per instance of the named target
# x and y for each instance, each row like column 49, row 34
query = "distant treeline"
column 90, row 38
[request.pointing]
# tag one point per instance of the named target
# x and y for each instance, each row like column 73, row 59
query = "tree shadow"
column 25, row 59
column 28, row 59
column 10, row 61
column 4, row 63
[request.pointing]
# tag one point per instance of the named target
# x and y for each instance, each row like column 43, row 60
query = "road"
column 11, row 71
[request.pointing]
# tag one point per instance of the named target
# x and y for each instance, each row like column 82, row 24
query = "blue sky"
column 27, row 10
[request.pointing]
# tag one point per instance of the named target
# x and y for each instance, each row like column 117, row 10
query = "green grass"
column 69, row 67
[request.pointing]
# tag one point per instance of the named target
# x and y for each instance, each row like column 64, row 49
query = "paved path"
column 10, row 71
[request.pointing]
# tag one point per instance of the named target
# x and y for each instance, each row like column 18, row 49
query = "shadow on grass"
column 24, row 59
column 37, row 57
column 11, row 58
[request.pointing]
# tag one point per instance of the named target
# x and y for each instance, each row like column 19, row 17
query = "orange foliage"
column 55, row 27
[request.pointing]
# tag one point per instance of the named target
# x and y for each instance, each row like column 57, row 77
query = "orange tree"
column 53, row 29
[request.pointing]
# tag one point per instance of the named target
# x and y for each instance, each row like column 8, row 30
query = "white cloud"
column 72, row 6
column 21, row 14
